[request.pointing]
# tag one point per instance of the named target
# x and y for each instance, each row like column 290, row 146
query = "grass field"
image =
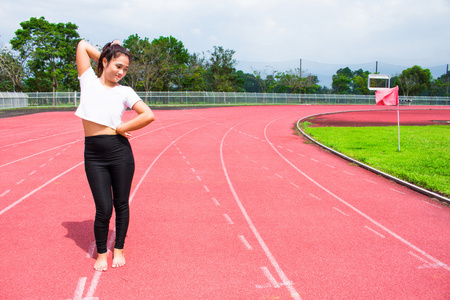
column 423, row 159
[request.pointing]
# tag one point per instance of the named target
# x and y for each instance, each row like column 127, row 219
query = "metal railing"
column 61, row 99
column 13, row 100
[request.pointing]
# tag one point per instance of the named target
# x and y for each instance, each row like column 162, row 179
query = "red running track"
column 227, row 203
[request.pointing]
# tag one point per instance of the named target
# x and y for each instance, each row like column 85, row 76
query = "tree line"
column 42, row 58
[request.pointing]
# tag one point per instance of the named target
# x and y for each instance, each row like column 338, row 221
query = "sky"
column 266, row 35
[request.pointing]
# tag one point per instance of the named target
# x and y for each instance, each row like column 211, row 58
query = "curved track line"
column 38, row 188
column 37, row 139
column 273, row 261
column 436, row 261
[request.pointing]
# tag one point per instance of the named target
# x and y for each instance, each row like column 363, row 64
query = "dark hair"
column 109, row 52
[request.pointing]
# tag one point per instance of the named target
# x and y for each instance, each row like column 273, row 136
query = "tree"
column 414, row 81
column 49, row 52
column 359, row 82
column 11, row 72
column 221, row 73
column 342, row 81
column 291, row 82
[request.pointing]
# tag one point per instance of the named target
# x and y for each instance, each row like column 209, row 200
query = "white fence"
column 223, row 99
column 13, row 100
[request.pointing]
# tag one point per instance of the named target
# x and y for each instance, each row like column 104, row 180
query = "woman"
column 109, row 162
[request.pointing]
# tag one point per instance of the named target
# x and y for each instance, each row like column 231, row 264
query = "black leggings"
column 109, row 165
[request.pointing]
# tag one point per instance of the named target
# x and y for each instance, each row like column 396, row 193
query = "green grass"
column 424, row 157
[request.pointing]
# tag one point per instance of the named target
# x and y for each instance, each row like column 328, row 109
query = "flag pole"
column 398, row 124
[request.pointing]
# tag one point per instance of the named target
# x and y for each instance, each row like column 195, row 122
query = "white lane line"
column 254, row 161
column 374, row 231
column 206, row 188
column 349, row 173
column 245, row 242
column 278, row 175
column 43, row 165
column 5, row 192
column 398, row 191
column 295, row 185
column 269, row 276
column 215, row 201
column 199, row 178
column 184, row 157
column 432, row 204
column 427, row 264
column 370, row 181
column 51, row 159
column 20, row 181
column 280, row 147
column 38, row 188
column 341, row 211
column 58, row 154
column 188, row 162
column 290, row 150
column 32, row 172
column 314, row 196
column 301, row 154
column 227, row 217
column 80, row 288
column 314, row 160
column 330, row 166
column 14, row 161
column 406, row 242
column 93, row 286
column 289, row 285
column 193, row 170
column 265, row 168
column 36, row 139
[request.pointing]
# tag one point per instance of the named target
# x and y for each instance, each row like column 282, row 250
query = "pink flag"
column 387, row 96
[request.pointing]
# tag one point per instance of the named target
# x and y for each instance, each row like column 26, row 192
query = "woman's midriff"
column 91, row 129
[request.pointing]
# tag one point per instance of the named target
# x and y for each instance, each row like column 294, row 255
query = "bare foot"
column 118, row 259
column 101, row 264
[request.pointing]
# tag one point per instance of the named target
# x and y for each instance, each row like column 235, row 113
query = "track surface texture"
column 226, row 203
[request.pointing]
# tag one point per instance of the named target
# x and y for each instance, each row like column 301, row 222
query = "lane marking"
column 374, row 231
column 409, row 244
column 193, row 170
column 206, row 188
column 20, row 181
column 29, row 156
column 36, row 139
column 265, row 168
column 295, row 185
column 5, row 192
column 432, row 204
column 80, row 288
column 370, row 181
column 314, row 196
column 199, row 178
column 314, row 159
column 32, row 172
column 215, row 201
column 301, row 154
column 269, row 276
column 341, row 211
column 349, row 173
column 227, row 217
column 278, row 175
column 427, row 264
column 398, row 191
column 38, row 188
column 290, row 150
column 245, row 242
column 265, row 248
column 330, row 166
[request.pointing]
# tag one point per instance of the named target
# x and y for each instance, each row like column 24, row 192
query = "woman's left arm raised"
column 145, row 116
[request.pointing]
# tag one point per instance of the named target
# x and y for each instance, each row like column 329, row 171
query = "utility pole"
column 447, row 80
column 301, row 68
column 376, row 67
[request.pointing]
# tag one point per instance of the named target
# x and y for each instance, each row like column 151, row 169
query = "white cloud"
column 401, row 32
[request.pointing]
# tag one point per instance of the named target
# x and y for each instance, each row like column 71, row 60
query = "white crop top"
column 103, row 105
